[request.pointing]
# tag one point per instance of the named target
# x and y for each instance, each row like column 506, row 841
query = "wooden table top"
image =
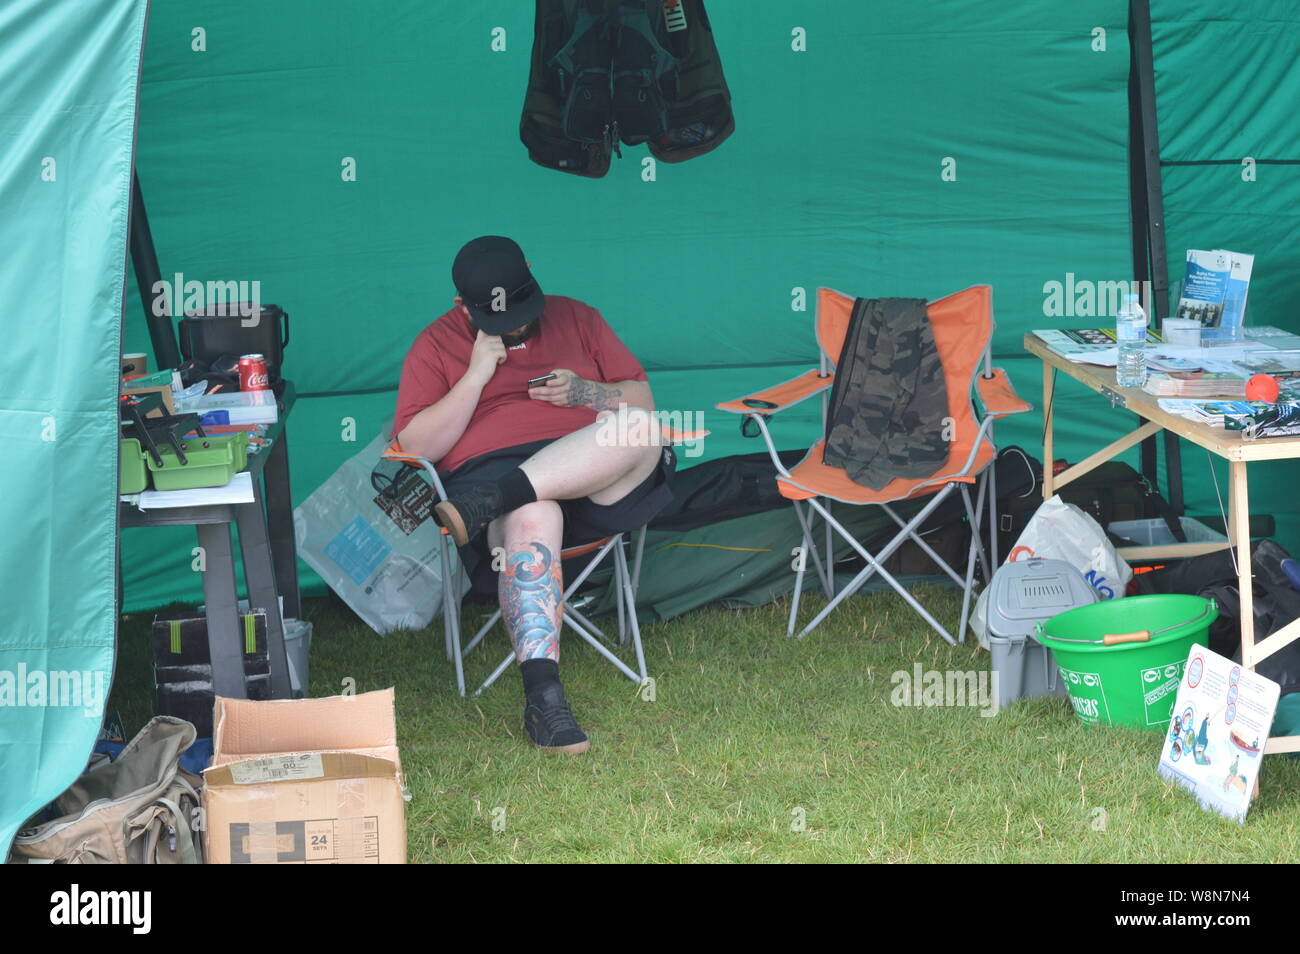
column 1227, row 444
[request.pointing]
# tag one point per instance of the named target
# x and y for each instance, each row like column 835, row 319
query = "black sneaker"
column 469, row 511
column 550, row 723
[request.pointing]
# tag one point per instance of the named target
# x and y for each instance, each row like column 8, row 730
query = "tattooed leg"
column 530, row 586
column 604, row 461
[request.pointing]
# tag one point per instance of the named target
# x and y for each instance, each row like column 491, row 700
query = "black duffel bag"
column 723, row 489
column 1274, row 603
column 1274, row 606
column 1111, row 492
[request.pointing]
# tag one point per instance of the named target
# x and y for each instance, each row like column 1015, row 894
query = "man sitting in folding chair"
column 531, row 461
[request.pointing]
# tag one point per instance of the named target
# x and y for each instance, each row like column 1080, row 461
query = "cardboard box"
column 182, row 665
column 305, row 781
column 164, row 391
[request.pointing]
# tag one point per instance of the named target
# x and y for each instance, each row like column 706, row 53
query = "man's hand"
column 558, row 390
column 566, row 389
column 489, row 351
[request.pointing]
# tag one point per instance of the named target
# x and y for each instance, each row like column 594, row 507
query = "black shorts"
column 584, row 521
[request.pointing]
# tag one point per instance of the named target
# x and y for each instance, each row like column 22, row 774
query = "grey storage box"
column 1020, row 595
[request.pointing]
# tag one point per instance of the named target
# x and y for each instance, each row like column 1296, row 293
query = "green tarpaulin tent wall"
column 880, row 149
column 1226, row 92
column 339, row 152
column 69, row 74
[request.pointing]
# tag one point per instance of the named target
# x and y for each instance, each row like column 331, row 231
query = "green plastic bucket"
column 1113, row 674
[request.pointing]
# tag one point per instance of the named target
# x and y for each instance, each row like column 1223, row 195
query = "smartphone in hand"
column 539, row 381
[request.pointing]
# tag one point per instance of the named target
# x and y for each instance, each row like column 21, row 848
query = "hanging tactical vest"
column 630, row 71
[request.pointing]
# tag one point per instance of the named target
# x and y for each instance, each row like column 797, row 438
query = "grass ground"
column 761, row 748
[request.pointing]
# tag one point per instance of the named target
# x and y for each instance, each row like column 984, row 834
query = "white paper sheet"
column 239, row 490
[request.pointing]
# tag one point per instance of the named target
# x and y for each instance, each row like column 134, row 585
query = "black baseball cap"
column 495, row 284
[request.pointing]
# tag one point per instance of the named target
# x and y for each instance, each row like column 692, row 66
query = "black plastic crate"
column 182, row 665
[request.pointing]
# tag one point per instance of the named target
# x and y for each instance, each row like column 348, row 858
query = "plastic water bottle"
column 1131, row 332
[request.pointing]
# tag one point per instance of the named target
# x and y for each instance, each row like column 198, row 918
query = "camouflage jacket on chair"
column 889, row 402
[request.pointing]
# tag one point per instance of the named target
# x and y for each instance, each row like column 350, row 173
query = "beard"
column 511, row 338
column 520, row 335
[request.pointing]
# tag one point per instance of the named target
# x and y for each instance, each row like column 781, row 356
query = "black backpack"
column 1111, row 492
column 630, row 71
column 1275, row 602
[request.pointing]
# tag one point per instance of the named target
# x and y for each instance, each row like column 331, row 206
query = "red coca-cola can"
column 252, row 373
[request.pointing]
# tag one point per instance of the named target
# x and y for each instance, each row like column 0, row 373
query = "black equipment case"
column 238, row 330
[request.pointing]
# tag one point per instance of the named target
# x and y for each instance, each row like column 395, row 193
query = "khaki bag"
column 136, row 809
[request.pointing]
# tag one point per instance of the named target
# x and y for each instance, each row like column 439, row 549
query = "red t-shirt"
column 570, row 335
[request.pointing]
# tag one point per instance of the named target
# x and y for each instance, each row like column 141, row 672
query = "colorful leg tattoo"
column 529, row 590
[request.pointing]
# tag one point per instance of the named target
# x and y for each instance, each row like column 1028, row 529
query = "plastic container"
column 132, row 475
column 1025, row 669
column 297, row 646
column 1022, row 595
column 1181, row 332
column 1156, row 533
column 1132, row 682
column 209, row 462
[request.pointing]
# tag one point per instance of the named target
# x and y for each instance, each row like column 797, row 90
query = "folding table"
column 267, row 547
column 1226, row 444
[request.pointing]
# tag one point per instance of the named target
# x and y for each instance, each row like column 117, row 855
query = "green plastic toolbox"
column 209, row 462
column 132, row 476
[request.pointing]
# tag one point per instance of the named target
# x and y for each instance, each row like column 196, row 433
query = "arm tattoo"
column 530, row 593
column 598, row 397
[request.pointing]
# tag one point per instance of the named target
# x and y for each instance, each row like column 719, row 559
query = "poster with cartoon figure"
column 1216, row 736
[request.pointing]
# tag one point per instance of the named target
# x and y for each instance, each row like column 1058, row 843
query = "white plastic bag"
column 381, row 560
column 979, row 618
column 1061, row 531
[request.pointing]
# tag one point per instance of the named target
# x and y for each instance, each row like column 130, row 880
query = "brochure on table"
column 1183, row 379
column 1214, row 292
column 1239, row 357
column 1087, row 345
column 1215, row 739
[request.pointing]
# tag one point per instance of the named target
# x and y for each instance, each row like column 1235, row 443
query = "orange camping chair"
column 963, row 329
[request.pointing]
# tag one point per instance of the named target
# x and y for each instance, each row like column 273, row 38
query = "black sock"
column 516, row 490
column 538, row 674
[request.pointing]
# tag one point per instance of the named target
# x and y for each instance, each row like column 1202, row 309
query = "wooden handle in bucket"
column 1141, row 636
